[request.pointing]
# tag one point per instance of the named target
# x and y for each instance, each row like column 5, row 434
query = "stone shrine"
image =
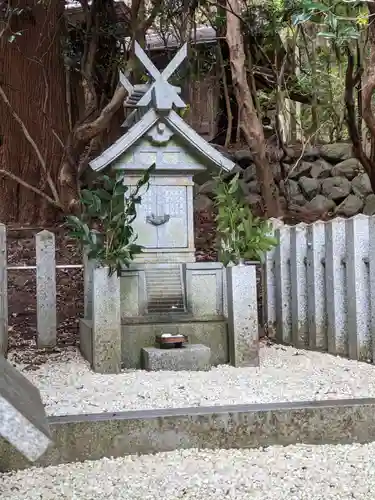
column 165, row 291
column 164, row 220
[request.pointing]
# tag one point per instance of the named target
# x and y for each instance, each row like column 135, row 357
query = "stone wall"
column 324, row 179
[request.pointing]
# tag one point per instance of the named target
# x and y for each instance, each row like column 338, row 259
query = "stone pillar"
column 46, row 289
column 298, row 282
column 106, row 322
column 316, row 305
column 88, row 268
column 283, row 286
column 371, row 262
column 243, row 316
column 269, row 284
column 3, row 292
column 337, row 333
column 357, row 275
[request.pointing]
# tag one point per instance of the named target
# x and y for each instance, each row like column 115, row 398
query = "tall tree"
column 33, row 118
column 49, row 129
column 251, row 125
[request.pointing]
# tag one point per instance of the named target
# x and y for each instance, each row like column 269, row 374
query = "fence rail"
column 45, row 288
column 58, row 266
column 320, row 286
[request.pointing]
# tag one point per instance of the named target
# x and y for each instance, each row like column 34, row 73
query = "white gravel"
column 275, row 473
column 68, row 386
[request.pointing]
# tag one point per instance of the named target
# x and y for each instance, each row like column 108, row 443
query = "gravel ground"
column 274, row 473
column 69, row 387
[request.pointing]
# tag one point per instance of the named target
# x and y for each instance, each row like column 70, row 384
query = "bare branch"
column 32, row 143
column 352, row 123
column 146, row 25
column 31, row 188
column 249, row 120
column 87, row 131
column 369, row 85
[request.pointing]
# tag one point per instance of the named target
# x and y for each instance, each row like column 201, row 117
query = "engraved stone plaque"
column 162, row 218
column 147, row 233
column 171, row 200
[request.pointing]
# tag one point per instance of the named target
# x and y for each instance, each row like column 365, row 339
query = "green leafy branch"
column 104, row 228
column 241, row 235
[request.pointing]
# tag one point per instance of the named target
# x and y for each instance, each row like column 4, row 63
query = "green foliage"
column 241, row 235
column 104, row 228
column 340, row 20
column 329, row 28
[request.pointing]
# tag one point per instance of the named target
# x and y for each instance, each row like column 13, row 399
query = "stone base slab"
column 23, row 421
column 212, row 334
column 192, row 357
column 91, row 437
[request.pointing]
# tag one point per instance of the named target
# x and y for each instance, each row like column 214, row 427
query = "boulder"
column 337, row 152
column 292, row 155
column 243, row 186
column 320, row 204
column 276, row 171
column 369, row 208
column 352, row 205
column 253, row 187
column 224, row 152
column 308, row 154
column 347, row 168
column 311, row 154
column 361, row 185
column 202, row 202
column 243, row 157
column 302, row 169
column 249, row 173
column 310, row 187
column 254, row 199
column 283, row 203
column 207, row 188
column 299, row 200
column 291, row 187
column 321, row 169
column 335, row 188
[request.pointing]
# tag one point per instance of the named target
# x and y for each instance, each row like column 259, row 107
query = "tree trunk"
column 33, row 80
column 250, row 123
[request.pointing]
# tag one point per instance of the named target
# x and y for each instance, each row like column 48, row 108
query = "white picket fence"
column 45, row 288
column 320, row 286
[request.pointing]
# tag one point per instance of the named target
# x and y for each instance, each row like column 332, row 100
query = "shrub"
column 104, row 227
column 241, row 235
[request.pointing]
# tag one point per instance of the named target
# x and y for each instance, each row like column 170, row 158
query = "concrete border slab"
column 91, row 437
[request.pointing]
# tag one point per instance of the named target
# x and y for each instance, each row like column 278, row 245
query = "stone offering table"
column 191, row 357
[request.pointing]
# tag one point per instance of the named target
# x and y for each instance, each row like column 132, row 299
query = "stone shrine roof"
column 157, row 104
column 169, row 123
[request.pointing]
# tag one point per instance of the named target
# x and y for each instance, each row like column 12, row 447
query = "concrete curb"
column 91, row 437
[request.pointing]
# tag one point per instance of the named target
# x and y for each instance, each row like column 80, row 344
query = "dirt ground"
column 22, row 286
column 22, row 290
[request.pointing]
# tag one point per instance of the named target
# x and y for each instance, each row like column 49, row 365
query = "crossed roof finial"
column 164, row 94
